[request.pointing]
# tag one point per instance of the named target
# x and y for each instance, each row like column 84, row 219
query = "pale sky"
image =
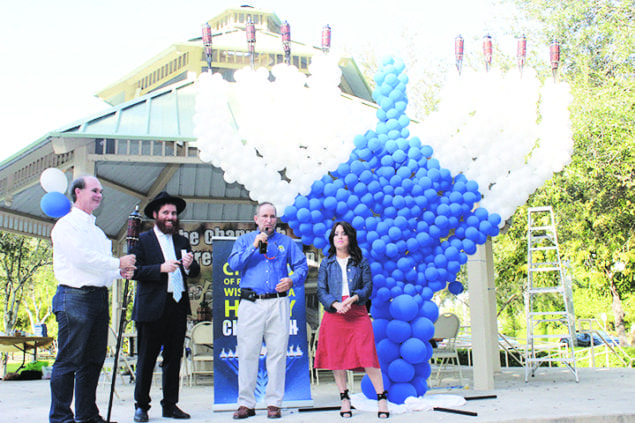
column 58, row 54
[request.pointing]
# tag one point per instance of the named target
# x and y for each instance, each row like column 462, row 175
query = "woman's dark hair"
column 353, row 248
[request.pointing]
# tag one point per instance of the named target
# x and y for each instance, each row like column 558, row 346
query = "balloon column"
column 415, row 223
column 54, row 203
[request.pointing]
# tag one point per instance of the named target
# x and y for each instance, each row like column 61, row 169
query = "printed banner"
column 225, row 308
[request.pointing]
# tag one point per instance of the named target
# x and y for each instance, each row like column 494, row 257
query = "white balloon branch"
column 508, row 133
column 277, row 137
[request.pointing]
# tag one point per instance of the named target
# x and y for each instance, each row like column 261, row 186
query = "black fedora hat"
column 161, row 199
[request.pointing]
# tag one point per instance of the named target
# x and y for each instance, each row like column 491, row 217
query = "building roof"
column 144, row 143
column 137, row 149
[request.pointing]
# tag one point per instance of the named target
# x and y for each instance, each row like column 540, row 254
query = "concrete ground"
column 603, row 395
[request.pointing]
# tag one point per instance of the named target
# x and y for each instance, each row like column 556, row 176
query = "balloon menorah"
column 314, row 155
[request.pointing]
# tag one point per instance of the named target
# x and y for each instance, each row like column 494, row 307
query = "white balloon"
column 54, row 180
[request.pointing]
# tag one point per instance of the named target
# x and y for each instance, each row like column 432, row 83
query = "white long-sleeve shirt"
column 82, row 254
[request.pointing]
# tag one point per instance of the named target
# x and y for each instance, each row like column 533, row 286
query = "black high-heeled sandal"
column 383, row 414
column 345, row 414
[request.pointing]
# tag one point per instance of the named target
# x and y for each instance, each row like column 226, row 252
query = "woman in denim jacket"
column 346, row 340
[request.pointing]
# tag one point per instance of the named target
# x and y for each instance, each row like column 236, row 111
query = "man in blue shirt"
column 263, row 259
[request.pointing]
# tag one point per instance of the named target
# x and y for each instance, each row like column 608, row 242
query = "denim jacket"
column 329, row 281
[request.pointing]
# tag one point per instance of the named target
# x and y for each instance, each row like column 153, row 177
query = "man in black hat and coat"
column 164, row 262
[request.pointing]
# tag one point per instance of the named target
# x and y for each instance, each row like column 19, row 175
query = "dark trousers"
column 165, row 335
column 82, row 341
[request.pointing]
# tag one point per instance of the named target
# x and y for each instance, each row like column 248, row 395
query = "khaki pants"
column 268, row 321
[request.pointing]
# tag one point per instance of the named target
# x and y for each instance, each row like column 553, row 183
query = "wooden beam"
column 118, row 187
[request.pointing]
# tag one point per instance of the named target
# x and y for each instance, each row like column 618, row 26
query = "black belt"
column 86, row 287
column 271, row 295
column 248, row 294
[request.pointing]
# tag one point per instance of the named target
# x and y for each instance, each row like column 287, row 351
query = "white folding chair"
column 202, row 345
column 445, row 355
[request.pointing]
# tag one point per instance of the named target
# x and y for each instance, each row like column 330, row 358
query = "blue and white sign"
column 226, row 300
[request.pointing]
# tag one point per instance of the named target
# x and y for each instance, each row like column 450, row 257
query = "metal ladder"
column 548, row 298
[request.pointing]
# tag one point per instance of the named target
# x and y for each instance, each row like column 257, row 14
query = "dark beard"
column 168, row 230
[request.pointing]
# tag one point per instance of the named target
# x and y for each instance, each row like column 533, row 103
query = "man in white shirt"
column 84, row 268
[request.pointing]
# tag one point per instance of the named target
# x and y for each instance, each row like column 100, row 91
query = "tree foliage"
column 594, row 195
column 21, row 258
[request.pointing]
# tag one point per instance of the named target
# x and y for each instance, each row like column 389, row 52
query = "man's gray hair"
column 266, row 203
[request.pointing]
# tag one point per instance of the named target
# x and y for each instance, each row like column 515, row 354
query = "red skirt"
column 346, row 341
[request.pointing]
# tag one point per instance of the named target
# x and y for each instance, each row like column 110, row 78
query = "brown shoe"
column 273, row 412
column 244, row 412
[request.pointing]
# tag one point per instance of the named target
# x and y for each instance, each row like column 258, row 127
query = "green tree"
column 37, row 301
column 594, row 195
column 20, row 259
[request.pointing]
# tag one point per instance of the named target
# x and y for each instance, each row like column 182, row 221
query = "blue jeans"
column 82, row 341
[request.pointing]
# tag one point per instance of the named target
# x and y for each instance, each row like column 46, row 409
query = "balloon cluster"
column 506, row 132
column 416, row 223
column 295, row 142
column 54, row 203
column 277, row 137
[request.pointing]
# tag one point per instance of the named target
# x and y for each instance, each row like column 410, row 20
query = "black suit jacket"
column 152, row 285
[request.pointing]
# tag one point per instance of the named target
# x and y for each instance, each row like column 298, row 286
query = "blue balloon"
column 494, row 219
column 421, row 385
column 430, row 310
column 319, row 229
column 422, row 328
column 394, row 233
column 379, row 329
column 431, row 274
column 320, row 243
column 391, row 250
column 437, row 285
column 427, row 293
column 471, row 233
column 423, row 370
column 290, row 212
column 400, row 371
column 413, row 350
column 404, row 307
column 469, row 246
column 400, row 391
column 398, row 331
column 380, row 311
column 55, row 204
column 455, row 287
column 303, row 215
column 387, row 351
column 440, row 261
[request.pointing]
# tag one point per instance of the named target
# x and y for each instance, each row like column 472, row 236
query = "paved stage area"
column 602, row 396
